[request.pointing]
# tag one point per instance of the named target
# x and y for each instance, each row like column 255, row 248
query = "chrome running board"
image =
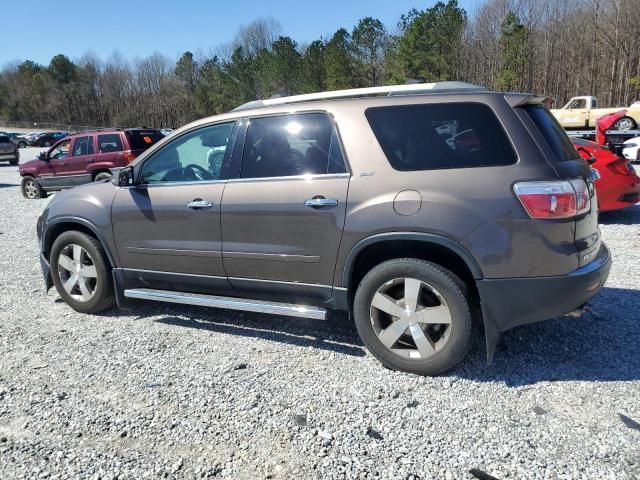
column 230, row 303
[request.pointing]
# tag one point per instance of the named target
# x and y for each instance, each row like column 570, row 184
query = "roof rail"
column 390, row 90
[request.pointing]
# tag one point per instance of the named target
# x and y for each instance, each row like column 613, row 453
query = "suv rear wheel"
column 413, row 316
column 31, row 189
column 80, row 273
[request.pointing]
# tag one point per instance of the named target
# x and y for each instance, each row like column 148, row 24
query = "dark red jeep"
column 84, row 157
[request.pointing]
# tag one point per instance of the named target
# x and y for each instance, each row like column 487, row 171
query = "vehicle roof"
column 361, row 102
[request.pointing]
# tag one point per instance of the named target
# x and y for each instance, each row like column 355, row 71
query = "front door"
column 167, row 226
column 282, row 220
column 57, row 175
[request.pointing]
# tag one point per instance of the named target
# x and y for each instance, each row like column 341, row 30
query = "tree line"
column 547, row 47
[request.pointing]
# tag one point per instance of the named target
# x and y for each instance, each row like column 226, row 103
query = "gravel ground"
column 175, row 392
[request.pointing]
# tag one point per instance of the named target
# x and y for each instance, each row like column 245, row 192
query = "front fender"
column 88, row 206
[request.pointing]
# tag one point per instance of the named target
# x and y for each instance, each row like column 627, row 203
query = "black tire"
column 103, row 297
column 625, row 123
column 14, row 162
column 448, row 286
column 47, row 143
column 31, row 189
column 102, row 176
column 22, row 144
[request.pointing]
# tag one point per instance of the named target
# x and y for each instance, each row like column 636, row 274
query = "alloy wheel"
column 410, row 318
column 625, row 124
column 77, row 273
column 31, row 189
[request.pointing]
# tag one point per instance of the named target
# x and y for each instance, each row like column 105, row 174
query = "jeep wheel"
column 80, row 273
column 31, row 189
column 102, row 176
column 625, row 123
column 413, row 316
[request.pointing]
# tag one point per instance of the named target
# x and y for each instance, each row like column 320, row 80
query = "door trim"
column 281, row 257
column 173, row 252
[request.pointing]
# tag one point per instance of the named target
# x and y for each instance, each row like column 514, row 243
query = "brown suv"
column 413, row 208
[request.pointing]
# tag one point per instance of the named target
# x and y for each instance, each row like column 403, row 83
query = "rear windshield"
column 143, row 139
column 553, row 133
column 441, row 136
column 4, row 139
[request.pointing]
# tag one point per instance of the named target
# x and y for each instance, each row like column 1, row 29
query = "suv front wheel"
column 413, row 316
column 80, row 273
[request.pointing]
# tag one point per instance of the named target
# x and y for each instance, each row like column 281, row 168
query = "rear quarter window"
column 110, row 142
column 441, row 136
column 4, row 139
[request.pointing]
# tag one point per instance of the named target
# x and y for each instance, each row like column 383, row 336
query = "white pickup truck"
column 582, row 112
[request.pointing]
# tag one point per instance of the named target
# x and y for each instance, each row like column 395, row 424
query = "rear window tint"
column 143, row 139
column 110, row 142
column 4, row 139
column 553, row 133
column 441, row 136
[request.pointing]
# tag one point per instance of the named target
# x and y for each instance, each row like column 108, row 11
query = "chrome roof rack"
column 391, row 90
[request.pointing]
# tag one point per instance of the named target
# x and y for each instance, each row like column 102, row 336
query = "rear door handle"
column 199, row 204
column 321, row 202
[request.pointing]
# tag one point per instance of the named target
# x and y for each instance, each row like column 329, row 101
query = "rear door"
column 82, row 154
column 282, row 219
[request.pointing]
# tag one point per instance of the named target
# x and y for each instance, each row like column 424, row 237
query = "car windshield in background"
column 143, row 139
column 555, row 135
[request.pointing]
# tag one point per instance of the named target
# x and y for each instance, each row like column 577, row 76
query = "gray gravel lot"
column 179, row 392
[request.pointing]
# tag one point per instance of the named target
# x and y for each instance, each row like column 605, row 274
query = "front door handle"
column 199, row 204
column 321, row 202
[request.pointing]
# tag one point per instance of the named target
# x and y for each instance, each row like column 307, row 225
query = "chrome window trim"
column 322, row 176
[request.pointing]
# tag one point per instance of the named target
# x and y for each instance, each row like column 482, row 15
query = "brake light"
column 128, row 156
column 553, row 199
column 621, row 166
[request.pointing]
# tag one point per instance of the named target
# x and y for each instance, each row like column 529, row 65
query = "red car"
column 618, row 185
column 84, row 157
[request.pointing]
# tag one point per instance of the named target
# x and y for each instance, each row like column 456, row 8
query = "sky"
column 137, row 28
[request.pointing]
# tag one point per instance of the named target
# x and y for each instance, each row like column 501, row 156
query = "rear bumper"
column 511, row 302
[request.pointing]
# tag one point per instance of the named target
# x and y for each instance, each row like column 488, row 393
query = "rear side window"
column 4, row 139
column 553, row 133
column 290, row 145
column 82, row 146
column 441, row 136
column 143, row 139
column 110, row 142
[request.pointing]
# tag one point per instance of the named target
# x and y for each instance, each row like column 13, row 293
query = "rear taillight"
column 621, row 166
column 553, row 199
column 128, row 156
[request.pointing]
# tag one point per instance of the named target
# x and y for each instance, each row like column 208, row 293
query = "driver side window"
column 61, row 151
column 198, row 156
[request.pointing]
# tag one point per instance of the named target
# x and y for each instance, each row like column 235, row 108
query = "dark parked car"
column 49, row 138
column 8, row 151
column 84, row 157
column 18, row 139
column 357, row 201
